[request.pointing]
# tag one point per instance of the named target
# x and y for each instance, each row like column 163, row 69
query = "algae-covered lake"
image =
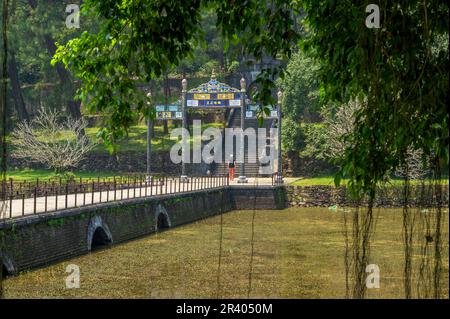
column 297, row 253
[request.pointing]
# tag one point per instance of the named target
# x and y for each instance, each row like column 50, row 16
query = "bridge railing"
column 29, row 198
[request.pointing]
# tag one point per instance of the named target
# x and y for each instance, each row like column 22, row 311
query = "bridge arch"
column 98, row 234
column 5, row 272
column 162, row 219
column 7, row 266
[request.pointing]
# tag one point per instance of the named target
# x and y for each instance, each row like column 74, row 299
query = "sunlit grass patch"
column 32, row 174
column 328, row 180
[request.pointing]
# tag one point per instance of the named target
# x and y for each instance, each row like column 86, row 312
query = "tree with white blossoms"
column 329, row 140
column 53, row 140
column 341, row 127
column 414, row 167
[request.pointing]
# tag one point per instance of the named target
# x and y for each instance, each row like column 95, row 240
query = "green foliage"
column 233, row 67
column 300, row 100
column 210, row 66
column 402, row 69
column 208, row 54
column 136, row 40
column 32, row 174
column 292, row 136
column 69, row 176
column 300, row 87
column 316, row 142
column 57, row 222
column 140, row 40
column 33, row 27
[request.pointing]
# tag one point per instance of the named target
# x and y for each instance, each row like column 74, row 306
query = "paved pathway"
column 28, row 206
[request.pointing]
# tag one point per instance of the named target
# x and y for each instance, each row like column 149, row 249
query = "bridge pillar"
column 279, row 179
column 242, row 177
column 149, row 139
column 184, row 177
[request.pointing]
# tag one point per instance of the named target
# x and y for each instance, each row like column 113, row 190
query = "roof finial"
column 213, row 74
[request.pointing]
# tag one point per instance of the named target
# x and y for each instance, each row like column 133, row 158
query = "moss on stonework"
column 57, row 222
column 280, row 197
column 172, row 201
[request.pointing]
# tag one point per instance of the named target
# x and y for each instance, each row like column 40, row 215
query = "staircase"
column 252, row 164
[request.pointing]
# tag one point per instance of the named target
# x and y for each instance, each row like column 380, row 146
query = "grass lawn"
column 329, row 180
column 32, row 174
column 298, row 253
column 136, row 140
column 323, row 180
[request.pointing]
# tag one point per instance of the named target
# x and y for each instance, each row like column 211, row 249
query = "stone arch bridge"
column 40, row 239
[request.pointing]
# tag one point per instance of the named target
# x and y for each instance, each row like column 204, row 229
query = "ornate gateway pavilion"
column 243, row 113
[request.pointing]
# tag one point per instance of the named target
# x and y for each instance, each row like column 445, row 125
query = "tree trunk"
column 72, row 106
column 153, row 129
column 16, row 90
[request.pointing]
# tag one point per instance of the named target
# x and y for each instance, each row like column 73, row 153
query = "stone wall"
column 325, row 196
column 263, row 197
column 121, row 162
column 129, row 162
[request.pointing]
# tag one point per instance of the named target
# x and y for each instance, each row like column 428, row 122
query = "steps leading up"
column 253, row 167
column 251, row 160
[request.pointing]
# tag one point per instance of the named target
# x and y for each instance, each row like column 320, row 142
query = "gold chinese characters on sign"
column 199, row 96
column 225, row 96
column 166, row 115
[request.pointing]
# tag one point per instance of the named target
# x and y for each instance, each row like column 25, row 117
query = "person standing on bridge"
column 231, row 167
